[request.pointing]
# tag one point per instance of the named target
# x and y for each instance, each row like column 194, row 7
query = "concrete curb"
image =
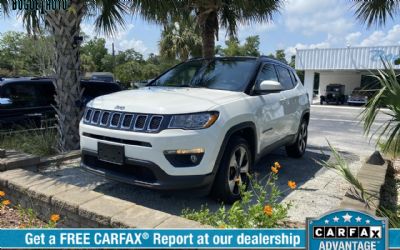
column 44, row 161
column 12, row 159
column 82, row 208
column 372, row 176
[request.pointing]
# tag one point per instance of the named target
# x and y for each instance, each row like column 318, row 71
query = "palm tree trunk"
column 209, row 25
column 65, row 26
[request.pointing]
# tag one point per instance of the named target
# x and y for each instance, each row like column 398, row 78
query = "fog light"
column 193, row 158
column 184, row 157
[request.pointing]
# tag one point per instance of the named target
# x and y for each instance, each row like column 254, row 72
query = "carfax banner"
column 338, row 230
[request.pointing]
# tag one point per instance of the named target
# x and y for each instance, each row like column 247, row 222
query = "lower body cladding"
column 169, row 160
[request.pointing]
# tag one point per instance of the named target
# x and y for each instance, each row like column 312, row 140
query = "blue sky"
column 301, row 24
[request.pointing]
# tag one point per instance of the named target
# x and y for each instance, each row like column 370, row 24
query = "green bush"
column 41, row 142
column 258, row 208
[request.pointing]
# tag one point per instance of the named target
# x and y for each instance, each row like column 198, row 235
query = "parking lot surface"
column 319, row 190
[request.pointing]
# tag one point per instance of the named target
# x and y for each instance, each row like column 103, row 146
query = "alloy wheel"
column 238, row 169
column 302, row 140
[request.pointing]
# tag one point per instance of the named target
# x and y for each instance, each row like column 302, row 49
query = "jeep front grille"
column 95, row 118
column 115, row 119
column 147, row 123
column 140, row 122
column 104, row 118
column 127, row 121
column 155, row 122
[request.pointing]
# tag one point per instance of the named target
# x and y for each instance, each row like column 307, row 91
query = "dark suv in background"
column 29, row 100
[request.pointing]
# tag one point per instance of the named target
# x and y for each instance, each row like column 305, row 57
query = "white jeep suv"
column 202, row 124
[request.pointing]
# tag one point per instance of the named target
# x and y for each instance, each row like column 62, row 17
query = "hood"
column 165, row 100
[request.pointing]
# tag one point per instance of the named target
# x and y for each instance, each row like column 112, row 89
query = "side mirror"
column 5, row 101
column 269, row 85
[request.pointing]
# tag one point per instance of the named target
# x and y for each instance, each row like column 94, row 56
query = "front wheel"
column 233, row 170
column 298, row 149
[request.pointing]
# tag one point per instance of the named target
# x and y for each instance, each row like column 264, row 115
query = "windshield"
column 224, row 74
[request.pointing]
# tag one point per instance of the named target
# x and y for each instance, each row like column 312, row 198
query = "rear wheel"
column 298, row 149
column 235, row 165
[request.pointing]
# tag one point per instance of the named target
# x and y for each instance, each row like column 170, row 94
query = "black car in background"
column 334, row 94
column 28, row 101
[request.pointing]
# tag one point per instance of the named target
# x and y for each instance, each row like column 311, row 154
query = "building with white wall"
column 347, row 66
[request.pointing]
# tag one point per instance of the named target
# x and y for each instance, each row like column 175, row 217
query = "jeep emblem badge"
column 120, row 107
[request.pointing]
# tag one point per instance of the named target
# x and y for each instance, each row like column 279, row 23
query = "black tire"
column 298, row 149
column 222, row 187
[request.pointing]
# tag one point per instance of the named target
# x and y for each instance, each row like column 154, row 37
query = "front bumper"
column 143, row 173
column 144, row 161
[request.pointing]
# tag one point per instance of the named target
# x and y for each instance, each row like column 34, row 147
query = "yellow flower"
column 222, row 226
column 274, row 170
column 268, row 210
column 6, row 202
column 277, row 165
column 2, row 194
column 292, row 184
column 55, row 217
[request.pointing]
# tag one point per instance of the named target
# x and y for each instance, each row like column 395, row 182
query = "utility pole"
column 113, row 56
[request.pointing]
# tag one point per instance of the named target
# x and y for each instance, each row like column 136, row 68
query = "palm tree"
column 64, row 25
column 376, row 11
column 211, row 14
column 180, row 40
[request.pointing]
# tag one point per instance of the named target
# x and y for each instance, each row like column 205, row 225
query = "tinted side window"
column 284, row 77
column 267, row 73
column 22, row 95
column 294, row 78
column 45, row 93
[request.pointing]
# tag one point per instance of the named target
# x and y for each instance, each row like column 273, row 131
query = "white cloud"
column 353, row 38
column 292, row 50
column 380, row 38
column 313, row 16
column 137, row 45
column 122, row 39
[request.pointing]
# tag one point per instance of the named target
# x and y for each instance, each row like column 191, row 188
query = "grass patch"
column 41, row 142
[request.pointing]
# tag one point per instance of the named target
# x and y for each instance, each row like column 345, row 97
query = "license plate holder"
column 110, row 153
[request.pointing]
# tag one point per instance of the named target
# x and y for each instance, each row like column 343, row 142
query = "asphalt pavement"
column 319, row 190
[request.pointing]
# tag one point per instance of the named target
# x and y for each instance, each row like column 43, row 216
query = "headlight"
column 193, row 121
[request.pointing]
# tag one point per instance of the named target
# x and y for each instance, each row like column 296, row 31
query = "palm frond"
column 4, row 7
column 33, row 21
column 387, row 96
column 111, row 15
column 375, row 11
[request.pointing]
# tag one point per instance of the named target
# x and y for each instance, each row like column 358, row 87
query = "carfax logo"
column 347, row 230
